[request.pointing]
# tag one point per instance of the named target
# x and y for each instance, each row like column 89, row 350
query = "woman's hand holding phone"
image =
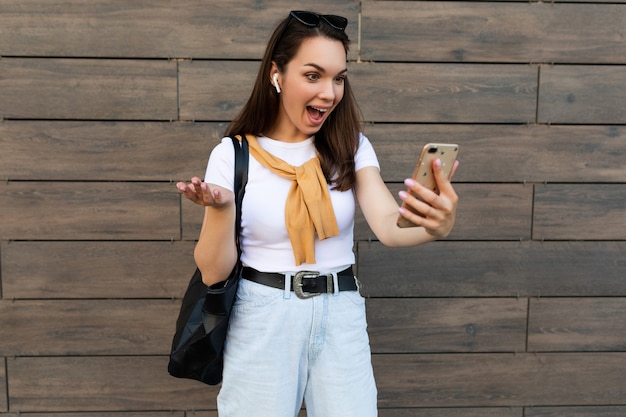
column 430, row 200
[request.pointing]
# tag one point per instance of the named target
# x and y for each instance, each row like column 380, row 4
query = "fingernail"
column 438, row 163
column 204, row 187
column 403, row 194
column 409, row 182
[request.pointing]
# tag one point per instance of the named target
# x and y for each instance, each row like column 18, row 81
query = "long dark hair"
column 336, row 142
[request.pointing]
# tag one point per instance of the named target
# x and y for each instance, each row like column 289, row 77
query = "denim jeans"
column 281, row 349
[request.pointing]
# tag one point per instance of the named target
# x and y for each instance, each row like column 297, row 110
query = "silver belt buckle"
column 297, row 284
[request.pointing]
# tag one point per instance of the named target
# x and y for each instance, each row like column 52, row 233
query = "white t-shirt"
column 265, row 243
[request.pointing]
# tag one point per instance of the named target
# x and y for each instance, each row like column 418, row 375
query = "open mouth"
column 316, row 114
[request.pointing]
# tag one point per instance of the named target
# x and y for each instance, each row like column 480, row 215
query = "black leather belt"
column 305, row 284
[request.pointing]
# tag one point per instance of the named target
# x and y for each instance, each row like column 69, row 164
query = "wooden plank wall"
column 104, row 104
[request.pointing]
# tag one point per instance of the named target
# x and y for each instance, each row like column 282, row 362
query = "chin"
column 313, row 130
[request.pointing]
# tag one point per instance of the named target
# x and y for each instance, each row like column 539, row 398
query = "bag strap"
column 241, row 179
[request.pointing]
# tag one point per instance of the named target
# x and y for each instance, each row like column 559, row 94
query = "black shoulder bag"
column 202, row 324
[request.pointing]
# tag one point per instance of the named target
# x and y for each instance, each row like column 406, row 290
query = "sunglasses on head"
column 312, row 20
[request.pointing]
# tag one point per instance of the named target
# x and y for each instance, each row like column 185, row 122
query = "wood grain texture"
column 617, row 411
column 105, row 151
column 102, row 327
column 507, row 153
column 95, row 270
column 446, row 325
column 485, row 212
column 582, row 94
column 122, row 414
column 139, row 151
column 398, row 92
column 451, row 412
column 442, row 31
column 3, row 386
column 87, row 327
column 112, row 383
column 418, row 380
column 88, row 89
column 493, row 269
column 580, row 212
column 215, row 91
column 573, row 324
column 493, row 380
column 86, row 211
column 149, row 29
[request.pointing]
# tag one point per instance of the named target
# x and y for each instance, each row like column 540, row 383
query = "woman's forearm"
column 216, row 253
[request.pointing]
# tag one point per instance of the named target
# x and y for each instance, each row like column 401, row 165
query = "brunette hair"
column 337, row 140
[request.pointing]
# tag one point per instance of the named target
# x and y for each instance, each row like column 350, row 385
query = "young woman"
column 298, row 329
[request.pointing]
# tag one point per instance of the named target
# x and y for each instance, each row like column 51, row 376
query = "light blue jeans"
column 281, row 349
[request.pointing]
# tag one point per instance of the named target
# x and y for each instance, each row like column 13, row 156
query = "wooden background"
column 521, row 312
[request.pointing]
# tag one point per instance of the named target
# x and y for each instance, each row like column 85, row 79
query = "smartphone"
column 423, row 174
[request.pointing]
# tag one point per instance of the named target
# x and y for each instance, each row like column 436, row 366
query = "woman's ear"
column 274, row 73
column 275, row 80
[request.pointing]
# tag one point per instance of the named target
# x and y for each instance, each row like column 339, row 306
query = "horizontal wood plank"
column 105, row 151
column 102, row 327
column 598, row 411
column 493, row 380
column 88, row 89
column 509, row 218
column 445, row 92
column 509, row 214
column 448, row 31
column 3, row 386
column 95, row 270
column 87, row 327
column 493, row 269
column 65, row 384
column 446, row 325
column 67, row 326
column 580, row 212
column 582, row 94
column 77, row 211
column 170, row 413
column 148, row 29
column 509, row 207
column 505, row 380
column 139, row 151
column 505, row 153
column 577, row 324
column 451, row 412
column 485, row 212
column 216, row 91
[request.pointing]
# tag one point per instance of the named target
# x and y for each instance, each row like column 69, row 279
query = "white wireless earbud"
column 275, row 78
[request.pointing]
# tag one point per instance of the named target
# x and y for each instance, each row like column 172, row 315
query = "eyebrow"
column 321, row 69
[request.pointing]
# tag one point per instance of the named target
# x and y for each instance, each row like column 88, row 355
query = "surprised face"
column 311, row 87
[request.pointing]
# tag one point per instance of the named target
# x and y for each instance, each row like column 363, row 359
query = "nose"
column 327, row 91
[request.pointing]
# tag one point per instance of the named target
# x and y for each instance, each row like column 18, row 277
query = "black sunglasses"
column 312, row 20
